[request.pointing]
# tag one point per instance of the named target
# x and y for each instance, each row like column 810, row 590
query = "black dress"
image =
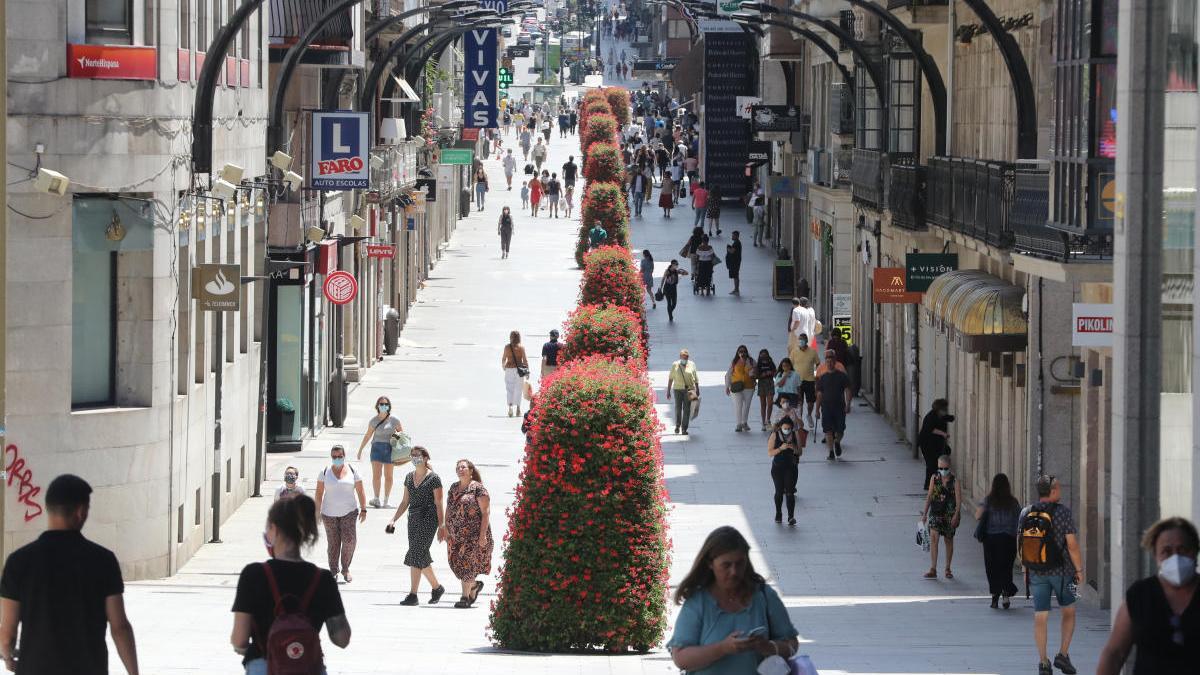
column 1166, row 644
column 422, row 519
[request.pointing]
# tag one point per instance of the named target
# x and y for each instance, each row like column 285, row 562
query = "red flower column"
column 603, row 203
column 604, row 330
column 610, row 278
column 587, row 555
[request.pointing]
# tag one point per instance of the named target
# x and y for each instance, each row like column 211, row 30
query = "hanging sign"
column 922, row 268
column 340, row 141
column 888, row 287
column 340, row 287
column 480, row 60
column 381, row 251
column 217, row 288
column 1091, row 324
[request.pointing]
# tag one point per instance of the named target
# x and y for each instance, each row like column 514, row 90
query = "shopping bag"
column 695, row 408
column 923, row 535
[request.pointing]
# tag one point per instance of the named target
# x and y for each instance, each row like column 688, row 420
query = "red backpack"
column 293, row 645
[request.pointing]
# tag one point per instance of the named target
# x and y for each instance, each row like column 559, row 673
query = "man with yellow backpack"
column 1050, row 553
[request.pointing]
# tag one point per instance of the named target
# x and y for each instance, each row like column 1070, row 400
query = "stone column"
column 1137, row 283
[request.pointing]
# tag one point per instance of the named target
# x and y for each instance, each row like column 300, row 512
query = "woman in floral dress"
column 943, row 503
column 470, row 535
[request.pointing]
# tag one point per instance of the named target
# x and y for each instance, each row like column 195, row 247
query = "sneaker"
column 830, row 457
column 410, row 600
column 374, row 502
column 791, row 521
column 436, row 595
column 1063, row 663
column 1045, row 669
column 676, row 431
column 837, row 448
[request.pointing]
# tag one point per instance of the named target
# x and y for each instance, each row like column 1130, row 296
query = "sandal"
column 347, row 577
column 949, row 574
column 931, row 574
column 475, row 593
column 462, row 604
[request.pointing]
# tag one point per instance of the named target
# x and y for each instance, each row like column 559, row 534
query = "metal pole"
column 218, row 381
column 3, row 279
column 260, row 441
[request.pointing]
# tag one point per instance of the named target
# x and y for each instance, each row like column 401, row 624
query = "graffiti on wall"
column 19, row 472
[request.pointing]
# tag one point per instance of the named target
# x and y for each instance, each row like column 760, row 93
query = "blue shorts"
column 1062, row 586
column 381, row 451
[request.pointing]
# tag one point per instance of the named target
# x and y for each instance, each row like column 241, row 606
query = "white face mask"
column 1177, row 570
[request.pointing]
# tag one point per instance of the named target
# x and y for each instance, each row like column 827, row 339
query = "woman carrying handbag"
column 516, row 369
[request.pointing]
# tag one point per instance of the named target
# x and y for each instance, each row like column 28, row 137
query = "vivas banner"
column 340, row 142
column 480, row 93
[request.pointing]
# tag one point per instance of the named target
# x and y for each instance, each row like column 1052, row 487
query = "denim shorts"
column 1062, row 586
column 381, row 451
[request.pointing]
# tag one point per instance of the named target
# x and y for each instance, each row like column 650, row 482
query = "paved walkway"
column 849, row 571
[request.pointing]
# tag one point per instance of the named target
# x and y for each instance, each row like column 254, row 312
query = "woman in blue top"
column 787, row 382
column 730, row 619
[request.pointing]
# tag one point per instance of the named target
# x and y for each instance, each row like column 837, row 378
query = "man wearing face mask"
column 291, row 484
column 1161, row 614
column 684, row 383
column 1060, row 579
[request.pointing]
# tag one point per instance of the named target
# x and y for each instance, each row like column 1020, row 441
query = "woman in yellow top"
column 739, row 385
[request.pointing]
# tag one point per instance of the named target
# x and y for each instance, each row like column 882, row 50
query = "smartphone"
column 390, row 529
column 761, row 631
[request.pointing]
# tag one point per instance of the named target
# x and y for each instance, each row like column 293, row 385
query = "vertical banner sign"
column 339, row 150
column 480, row 91
column 726, row 135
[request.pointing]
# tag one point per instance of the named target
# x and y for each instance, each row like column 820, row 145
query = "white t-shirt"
column 339, row 498
column 805, row 321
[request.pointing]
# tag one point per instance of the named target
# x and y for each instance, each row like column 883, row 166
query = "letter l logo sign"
column 339, row 145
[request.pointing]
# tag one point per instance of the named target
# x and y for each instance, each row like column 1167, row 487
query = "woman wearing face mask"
column 379, row 432
column 785, row 448
column 291, row 524
column 999, row 513
column 731, row 620
column 1161, row 614
column 338, row 490
column 469, row 539
column 787, row 382
column 943, row 502
column 764, row 376
column 423, row 501
column 291, row 484
column 739, row 385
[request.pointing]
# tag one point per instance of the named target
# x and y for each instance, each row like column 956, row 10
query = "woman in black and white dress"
column 426, row 517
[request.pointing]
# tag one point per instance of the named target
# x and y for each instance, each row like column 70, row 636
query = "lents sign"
column 481, row 91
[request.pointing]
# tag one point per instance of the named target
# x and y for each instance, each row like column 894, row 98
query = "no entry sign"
column 340, row 287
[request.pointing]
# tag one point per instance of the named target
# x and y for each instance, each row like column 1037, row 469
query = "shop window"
column 202, row 25
column 1084, row 142
column 93, row 328
column 904, row 103
column 185, row 24
column 109, row 22
column 869, row 116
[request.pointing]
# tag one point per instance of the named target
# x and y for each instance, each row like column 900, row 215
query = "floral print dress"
column 464, row 518
column 941, row 506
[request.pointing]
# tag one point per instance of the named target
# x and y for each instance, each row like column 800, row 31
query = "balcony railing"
column 906, row 191
column 972, row 196
column 290, row 18
column 866, row 178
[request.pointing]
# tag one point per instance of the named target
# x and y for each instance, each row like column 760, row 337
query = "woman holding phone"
column 731, row 620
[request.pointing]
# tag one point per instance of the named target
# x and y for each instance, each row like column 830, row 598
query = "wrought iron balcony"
column 290, row 18
column 866, row 178
column 906, row 191
column 973, row 196
column 907, row 4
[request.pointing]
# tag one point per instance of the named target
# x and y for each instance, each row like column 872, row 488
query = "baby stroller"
column 702, row 279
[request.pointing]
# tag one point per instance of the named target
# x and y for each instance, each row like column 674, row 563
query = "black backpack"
column 1040, row 551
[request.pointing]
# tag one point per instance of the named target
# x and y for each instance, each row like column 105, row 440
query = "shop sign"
column 340, row 141
column 457, row 156
column 888, row 287
column 725, row 134
column 217, row 288
column 340, row 287
column 745, row 103
column 429, row 187
column 505, row 77
column 1091, row 324
column 760, row 152
column 112, row 62
column 841, row 304
column 783, row 187
column 381, row 251
column 841, row 322
column 922, row 268
column 480, row 59
column 655, row 65
column 776, row 118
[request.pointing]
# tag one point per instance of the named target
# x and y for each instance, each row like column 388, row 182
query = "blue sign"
column 340, row 143
column 480, row 110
